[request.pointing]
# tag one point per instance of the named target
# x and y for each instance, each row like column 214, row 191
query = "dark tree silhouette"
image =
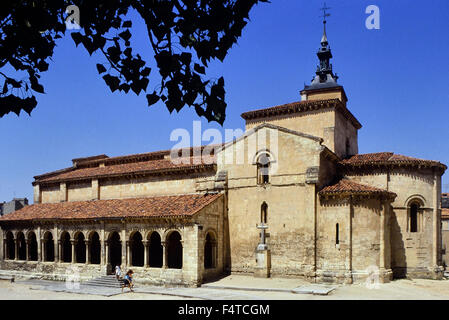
column 185, row 36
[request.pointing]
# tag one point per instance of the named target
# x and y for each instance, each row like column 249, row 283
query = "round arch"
column 210, row 249
column 94, row 247
column 115, row 249
column 155, row 253
column 49, row 246
column 10, row 253
column 32, row 246
column 174, row 250
column 66, row 247
column 136, row 249
column 21, row 246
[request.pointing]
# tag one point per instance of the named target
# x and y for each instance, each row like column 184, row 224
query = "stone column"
column 102, row 259
column 88, row 253
column 27, row 249
column 129, row 253
column 58, row 250
column 146, row 245
column 164, row 254
column 39, row 245
column 124, row 246
column 73, row 243
column 16, row 256
column 106, row 253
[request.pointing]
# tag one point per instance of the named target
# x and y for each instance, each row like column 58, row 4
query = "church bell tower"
column 324, row 85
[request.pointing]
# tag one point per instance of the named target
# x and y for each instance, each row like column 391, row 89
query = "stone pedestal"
column 263, row 260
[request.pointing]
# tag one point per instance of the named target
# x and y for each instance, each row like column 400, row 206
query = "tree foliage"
column 185, row 35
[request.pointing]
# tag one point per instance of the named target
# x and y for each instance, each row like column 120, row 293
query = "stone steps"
column 108, row 281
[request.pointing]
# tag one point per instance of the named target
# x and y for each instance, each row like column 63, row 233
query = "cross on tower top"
column 325, row 14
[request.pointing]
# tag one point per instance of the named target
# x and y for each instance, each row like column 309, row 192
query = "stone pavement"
column 249, row 283
column 193, row 293
column 228, row 288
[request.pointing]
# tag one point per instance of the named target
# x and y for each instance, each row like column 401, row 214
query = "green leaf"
column 199, row 69
column 152, row 98
column 100, row 68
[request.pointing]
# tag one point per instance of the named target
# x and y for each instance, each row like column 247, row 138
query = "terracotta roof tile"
column 126, row 168
column 387, row 158
column 350, row 187
column 167, row 206
column 302, row 106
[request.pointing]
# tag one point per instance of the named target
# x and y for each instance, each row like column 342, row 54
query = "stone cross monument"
column 263, row 255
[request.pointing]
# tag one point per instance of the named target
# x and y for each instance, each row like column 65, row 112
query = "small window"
column 263, row 169
column 264, row 213
column 414, row 208
column 337, row 234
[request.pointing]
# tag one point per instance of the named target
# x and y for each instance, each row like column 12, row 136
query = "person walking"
column 118, row 272
column 128, row 281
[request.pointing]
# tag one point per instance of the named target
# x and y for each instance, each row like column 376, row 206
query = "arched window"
column 10, row 246
column 263, row 168
column 337, row 234
column 156, row 250
column 95, row 248
column 21, row 247
column 264, row 213
column 210, row 251
column 174, row 251
column 66, row 247
column 49, row 247
column 137, row 250
column 414, row 216
column 32, row 247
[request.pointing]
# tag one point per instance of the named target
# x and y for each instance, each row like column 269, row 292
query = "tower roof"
column 325, row 77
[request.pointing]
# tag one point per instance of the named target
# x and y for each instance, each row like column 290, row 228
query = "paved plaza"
column 230, row 288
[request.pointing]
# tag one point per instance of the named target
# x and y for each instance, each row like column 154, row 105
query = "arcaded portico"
column 158, row 247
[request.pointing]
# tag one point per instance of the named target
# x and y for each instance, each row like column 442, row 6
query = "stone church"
column 303, row 204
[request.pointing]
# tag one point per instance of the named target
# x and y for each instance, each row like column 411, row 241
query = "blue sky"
column 396, row 79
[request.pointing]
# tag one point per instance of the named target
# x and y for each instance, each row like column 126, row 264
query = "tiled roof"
column 167, row 206
column 142, row 167
column 302, row 106
column 388, row 158
column 346, row 186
